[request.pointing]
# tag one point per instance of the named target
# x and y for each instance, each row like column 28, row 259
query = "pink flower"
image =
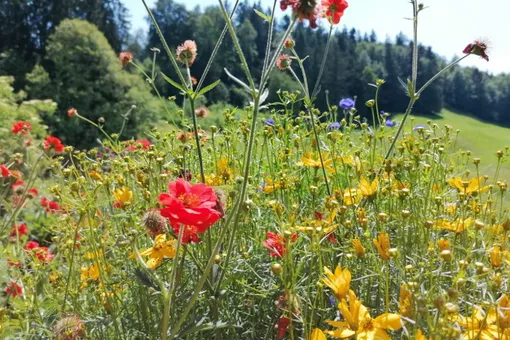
column 478, row 48
column 72, row 112
column 125, row 58
column 283, row 62
column 187, row 52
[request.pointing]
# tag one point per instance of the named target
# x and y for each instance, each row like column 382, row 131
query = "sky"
column 446, row 25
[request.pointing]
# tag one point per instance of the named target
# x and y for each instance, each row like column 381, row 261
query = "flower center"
column 190, row 200
column 367, row 324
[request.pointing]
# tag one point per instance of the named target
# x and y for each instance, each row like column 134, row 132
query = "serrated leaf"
column 262, row 15
column 173, row 83
column 237, row 80
column 208, row 88
column 404, row 86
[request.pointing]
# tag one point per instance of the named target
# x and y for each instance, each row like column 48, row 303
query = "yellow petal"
column 317, row 334
column 388, row 321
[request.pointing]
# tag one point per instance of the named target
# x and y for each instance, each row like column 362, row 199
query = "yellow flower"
column 89, row 274
column 315, row 162
column 496, row 256
column 382, row 243
column 358, row 247
column 352, row 196
column 420, row 335
column 224, row 172
column 271, row 186
column 339, row 282
column 480, row 326
column 406, row 301
column 368, row 189
column 95, row 175
column 359, row 323
column 457, row 226
column 317, row 334
column 443, row 244
column 468, row 187
column 503, row 309
column 123, row 196
column 161, row 249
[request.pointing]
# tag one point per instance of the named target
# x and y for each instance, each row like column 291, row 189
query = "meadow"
column 285, row 222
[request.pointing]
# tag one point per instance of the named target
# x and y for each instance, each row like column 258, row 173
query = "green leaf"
column 410, row 88
column 263, row 16
column 208, row 88
column 173, row 83
column 237, row 80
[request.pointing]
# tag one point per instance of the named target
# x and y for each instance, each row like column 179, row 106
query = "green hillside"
column 481, row 138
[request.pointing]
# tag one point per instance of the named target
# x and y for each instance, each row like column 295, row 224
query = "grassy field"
column 481, row 138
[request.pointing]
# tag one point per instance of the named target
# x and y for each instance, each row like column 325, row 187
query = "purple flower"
column 390, row 123
column 347, row 103
column 419, row 127
column 334, row 126
column 269, row 121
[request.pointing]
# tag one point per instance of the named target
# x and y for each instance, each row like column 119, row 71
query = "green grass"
column 481, row 138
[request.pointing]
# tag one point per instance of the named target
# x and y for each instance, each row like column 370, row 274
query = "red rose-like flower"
column 18, row 230
column 190, row 233
column 14, row 289
column 72, row 112
column 478, row 48
column 5, row 171
column 191, row 205
column 31, row 245
column 42, row 253
column 32, row 192
column 277, row 244
column 21, row 127
column 125, row 58
column 53, row 143
column 334, row 9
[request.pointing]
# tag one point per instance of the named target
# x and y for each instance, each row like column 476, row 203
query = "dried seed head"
column 154, row 222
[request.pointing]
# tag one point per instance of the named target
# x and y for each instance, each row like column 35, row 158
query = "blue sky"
column 446, row 25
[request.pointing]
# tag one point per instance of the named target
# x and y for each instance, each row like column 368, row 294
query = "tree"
column 87, row 75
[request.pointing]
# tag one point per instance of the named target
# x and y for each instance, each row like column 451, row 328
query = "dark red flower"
column 282, row 325
column 52, row 207
column 478, row 48
column 21, row 127
column 191, row 205
column 303, row 9
column 125, row 58
column 53, row 143
column 14, row 289
column 32, row 192
column 72, row 112
column 31, row 245
column 277, row 244
column 334, row 9
column 5, row 171
column 190, row 233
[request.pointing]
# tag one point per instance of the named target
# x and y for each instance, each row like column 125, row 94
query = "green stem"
column 323, row 64
column 269, row 38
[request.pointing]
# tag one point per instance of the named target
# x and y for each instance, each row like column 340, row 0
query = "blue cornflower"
column 269, row 121
column 390, row 123
column 347, row 103
column 419, row 127
column 334, row 126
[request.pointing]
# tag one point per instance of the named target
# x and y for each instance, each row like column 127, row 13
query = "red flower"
column 53, row 143
column 303, row 9
column 14, row 289
column 144, row 143
column 334, row 9
column 42, row 253
column 191, row 205
column 190, row 233
column 32, row 192
column 44, row 202
column 72, row 112
column 289, row 43
column 125, row 58
column 277, row 244
column 21, row 127
column 478, row 48
column 282, row 325
column 5, row 171
column 13, row 264
column 52, row 207
column 18, row 230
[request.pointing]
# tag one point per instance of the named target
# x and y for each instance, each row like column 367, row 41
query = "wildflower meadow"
column 285, row 222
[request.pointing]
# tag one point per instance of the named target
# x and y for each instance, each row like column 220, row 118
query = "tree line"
column 31, row 49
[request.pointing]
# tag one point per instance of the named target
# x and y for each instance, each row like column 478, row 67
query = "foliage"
column 87, row 75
